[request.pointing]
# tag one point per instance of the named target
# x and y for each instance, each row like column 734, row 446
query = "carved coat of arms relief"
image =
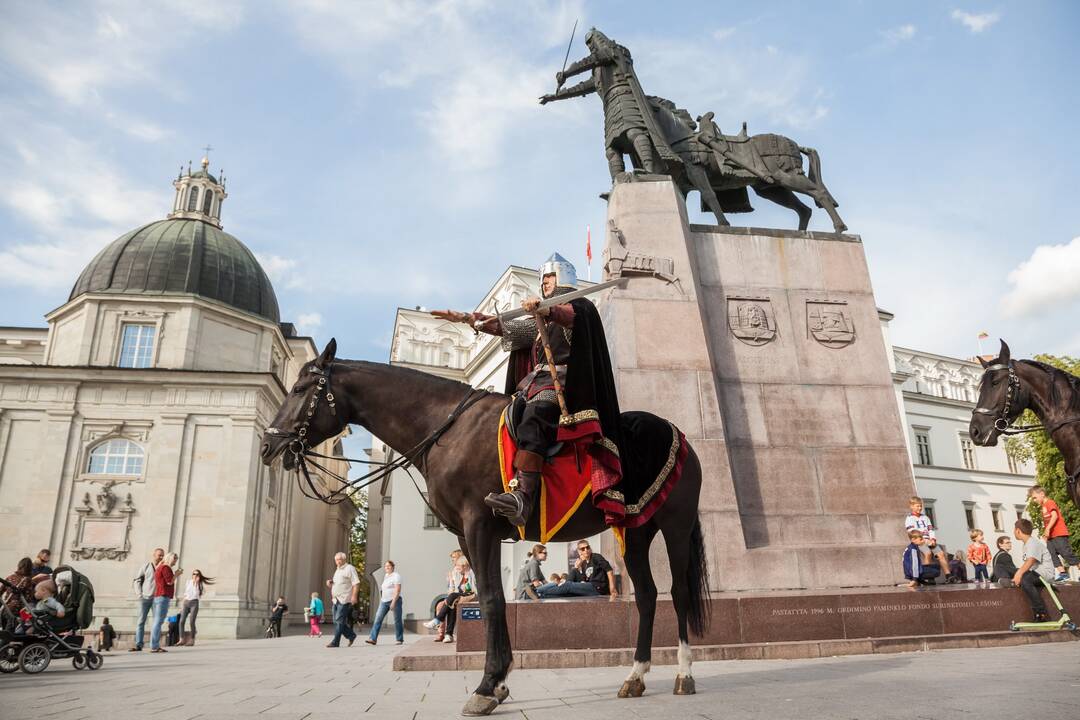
column 751, row 319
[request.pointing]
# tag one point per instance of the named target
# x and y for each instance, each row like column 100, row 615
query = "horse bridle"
column 1002, row 421
column 298, row 443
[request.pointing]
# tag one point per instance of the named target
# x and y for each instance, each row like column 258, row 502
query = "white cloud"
column 723, row 33
column 276, row 267
column 1048, row 276
column 975, row 23
column 65, row 218
column 899, row 34
column 308, row 323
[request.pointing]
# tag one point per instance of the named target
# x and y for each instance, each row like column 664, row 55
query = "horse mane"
column 1073, row 382
column 445, row 383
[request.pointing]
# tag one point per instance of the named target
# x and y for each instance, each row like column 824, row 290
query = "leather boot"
column 517, row 504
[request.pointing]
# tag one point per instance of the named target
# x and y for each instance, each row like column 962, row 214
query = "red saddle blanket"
column 567, row 481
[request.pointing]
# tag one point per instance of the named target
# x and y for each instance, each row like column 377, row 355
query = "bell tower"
column 198, row 195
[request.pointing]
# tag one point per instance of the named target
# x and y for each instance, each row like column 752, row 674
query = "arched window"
column 446, row 348
column 116, row 457
column 193, row 199
column 208, row 197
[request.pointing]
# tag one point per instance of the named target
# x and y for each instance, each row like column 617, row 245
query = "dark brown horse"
column 405, row 409
column 1009, row 387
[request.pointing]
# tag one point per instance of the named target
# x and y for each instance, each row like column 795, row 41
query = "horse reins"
column 303, row 454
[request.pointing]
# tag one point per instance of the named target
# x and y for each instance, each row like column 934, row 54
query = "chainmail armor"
column 517, row 334
column 548, row 395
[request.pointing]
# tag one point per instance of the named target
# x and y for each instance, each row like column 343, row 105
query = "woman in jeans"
column 190, row 606
column 391, row 600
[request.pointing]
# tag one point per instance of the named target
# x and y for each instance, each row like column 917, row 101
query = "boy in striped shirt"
column 916, row 520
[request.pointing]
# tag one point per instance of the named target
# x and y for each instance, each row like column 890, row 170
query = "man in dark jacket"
column 1004, row 566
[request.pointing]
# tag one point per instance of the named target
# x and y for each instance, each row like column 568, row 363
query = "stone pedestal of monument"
column 765, row 348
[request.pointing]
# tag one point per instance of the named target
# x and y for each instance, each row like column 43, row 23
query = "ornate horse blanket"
column 651, row 450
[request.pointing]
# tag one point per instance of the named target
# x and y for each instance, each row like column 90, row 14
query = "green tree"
column 1049, row 463
column 358, row 544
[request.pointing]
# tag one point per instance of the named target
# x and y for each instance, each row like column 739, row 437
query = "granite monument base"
column 765, row 347
column 773, row 625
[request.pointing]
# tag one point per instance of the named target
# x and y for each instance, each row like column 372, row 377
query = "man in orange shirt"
column 1055, row 533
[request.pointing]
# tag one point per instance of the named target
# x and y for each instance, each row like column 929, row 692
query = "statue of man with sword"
column 560, row 371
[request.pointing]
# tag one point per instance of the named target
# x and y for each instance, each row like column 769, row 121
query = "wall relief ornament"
column 619, row 261
column 100, row 534
column 829, row 322
column 751, row 319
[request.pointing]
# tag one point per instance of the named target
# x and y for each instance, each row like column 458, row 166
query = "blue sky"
column 393, row 154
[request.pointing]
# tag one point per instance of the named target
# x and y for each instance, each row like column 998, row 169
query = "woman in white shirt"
column 391, row 600
column 190, row 606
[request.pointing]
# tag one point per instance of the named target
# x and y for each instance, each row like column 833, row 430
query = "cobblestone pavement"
column 296, row 677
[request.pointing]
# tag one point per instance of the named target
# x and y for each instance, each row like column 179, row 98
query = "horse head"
column 309, row 415
column 1001, row 399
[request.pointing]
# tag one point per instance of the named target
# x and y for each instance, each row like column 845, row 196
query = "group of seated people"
column 33, row 582
column 460, row 587
column 590, row 576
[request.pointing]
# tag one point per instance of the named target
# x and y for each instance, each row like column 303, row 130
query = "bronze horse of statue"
column 448, row 431
column 1009, row 387
column 720, row 167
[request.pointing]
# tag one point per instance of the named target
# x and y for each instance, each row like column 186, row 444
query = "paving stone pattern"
column 296, row 677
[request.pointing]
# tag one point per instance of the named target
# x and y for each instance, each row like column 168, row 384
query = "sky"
column 393, row 154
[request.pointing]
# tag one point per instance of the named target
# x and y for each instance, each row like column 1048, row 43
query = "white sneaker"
column 448, row 639
column 432, row 624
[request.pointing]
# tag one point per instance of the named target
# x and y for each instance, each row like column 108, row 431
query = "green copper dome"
column 179, row 256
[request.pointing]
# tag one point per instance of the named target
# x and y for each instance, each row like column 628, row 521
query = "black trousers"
column 1031, row 585
column 538, row 426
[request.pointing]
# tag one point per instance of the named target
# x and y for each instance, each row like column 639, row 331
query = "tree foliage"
column 358, row 543
column 1049, row 463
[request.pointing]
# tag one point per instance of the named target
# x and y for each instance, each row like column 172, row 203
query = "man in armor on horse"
column 578, row 367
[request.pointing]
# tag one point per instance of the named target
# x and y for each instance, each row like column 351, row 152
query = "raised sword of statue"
column 567, row 56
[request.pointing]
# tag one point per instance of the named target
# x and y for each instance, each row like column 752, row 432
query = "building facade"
column 400, row 526
column 133, row 421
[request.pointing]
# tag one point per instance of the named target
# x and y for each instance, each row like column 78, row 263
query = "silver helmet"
column 565, row 274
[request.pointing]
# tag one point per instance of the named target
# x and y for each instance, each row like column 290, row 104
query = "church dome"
column 181, row 256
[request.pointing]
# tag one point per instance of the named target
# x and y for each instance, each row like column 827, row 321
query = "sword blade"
column 564, row 298
column 569, row 45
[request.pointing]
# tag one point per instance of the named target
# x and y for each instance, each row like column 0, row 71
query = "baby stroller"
column 43, row 638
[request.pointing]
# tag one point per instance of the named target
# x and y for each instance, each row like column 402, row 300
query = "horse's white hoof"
column 684, row 685
column 501, row 693
column 479, row 705
column 632, row 688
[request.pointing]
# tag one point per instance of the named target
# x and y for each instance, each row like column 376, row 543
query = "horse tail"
column 815, row 164
column 697, row 580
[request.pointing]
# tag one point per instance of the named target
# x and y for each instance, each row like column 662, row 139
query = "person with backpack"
column 144, row 587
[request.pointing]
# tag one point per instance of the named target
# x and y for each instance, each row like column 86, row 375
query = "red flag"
column 588, row 244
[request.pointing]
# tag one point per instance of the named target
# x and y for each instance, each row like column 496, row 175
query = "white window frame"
column 154, row 327
column 108, row 444
column 967, row 452
column 924, row 433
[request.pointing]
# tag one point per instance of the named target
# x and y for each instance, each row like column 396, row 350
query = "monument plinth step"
column 738, row 619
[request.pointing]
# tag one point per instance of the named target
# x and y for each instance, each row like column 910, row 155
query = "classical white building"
column 133, row 421
column 964, row 486
column 400, row 526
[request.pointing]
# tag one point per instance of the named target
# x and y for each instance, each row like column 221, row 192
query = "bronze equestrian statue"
column 1009, row 387
column 448, row 431
column 662, row 139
